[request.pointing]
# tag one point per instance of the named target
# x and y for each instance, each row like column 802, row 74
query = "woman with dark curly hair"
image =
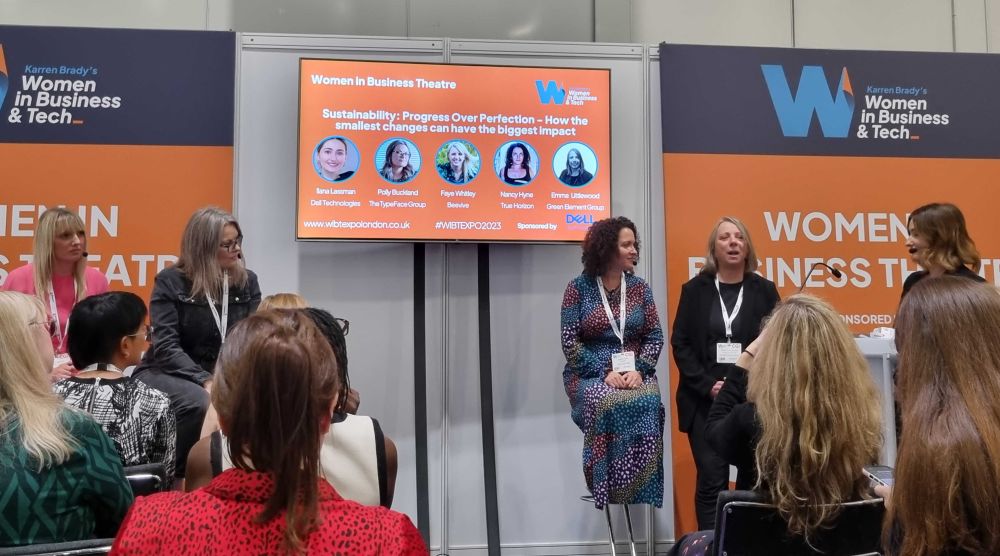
column 517, row 166
column 718, row 315
column 612, row 338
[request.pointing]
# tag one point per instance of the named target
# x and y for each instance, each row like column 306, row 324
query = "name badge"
column 727, row 352
column 623, row 362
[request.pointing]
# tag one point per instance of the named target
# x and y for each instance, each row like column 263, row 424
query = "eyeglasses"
column 50, row 325
column 344, row 324
column 232, row 245
column 148, row 336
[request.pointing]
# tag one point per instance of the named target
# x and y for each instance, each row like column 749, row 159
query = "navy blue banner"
column 742, row 100
column 116, row 86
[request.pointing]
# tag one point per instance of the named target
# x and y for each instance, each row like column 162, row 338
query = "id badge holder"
column 728, row 352
column 623, row 362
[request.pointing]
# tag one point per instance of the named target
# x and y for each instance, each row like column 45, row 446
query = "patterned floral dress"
column 623, row 429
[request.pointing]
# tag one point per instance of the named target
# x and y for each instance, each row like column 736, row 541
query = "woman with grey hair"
column 193, row 304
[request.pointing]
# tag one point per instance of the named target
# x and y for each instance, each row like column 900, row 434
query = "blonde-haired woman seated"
column 799, row 417
column 947, row 483
column 60, row 474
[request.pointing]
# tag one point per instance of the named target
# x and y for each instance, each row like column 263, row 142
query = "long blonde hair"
column 819, row 414
column 199, row 252
column 26, row 399
column 948, row 467
column 53, row 223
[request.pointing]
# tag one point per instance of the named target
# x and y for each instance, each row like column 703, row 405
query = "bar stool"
column 611, row 533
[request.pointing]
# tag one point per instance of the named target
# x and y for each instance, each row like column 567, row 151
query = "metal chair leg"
column 611, row 532
column 628, row 523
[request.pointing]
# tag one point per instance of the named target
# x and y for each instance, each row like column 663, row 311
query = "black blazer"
column 690, row 336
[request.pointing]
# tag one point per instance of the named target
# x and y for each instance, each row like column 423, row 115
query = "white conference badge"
column 623, row 361
column 728, row 351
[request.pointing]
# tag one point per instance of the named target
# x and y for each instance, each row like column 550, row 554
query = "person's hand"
column 716, row 387
column 353, row 402
column 885, row 493
column 633, row 379
column 615, row 380
column 62, row 372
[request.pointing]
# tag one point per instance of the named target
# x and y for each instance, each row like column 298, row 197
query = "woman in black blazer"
column 705, row 348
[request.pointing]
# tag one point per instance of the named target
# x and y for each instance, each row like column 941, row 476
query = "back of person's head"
column 942, row 225
column 282, row 301
column 275, row 384
column 334, row 334
column 27, row 403
column 947, row 480
column 818, row 410
column 99, row 324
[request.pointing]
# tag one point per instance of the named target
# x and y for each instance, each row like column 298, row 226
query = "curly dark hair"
column 327, row 324
column 600, row 245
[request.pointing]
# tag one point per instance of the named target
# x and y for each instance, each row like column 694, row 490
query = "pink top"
column 23, row 280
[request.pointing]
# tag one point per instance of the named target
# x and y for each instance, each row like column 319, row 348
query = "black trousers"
column 712, row 472
column 190, row 403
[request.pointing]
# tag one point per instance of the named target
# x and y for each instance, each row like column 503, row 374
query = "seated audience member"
column 356, row 457
column 59, row 473
column 947, row 479
column 282, row 301
column 276, row 384
column 808, row 422
column 110, row 334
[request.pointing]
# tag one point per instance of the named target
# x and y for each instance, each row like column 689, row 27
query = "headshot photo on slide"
column 458, row 162
column 575, row 164
column 336, row 158
column 397, row 160
column 516, row 163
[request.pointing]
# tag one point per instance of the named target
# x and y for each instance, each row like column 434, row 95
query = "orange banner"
column 134, row 202
column 849, row 212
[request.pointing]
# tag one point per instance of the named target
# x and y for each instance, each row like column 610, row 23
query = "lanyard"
column 727, row 319
column 221, row 323
column 619, row 332
column 54, row 312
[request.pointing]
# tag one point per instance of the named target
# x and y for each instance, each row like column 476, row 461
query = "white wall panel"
column 523, row 20
column 144, row 14
column 725, row 22
column 919, row 25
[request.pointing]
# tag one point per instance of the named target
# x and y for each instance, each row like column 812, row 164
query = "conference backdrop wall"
column 538, row 447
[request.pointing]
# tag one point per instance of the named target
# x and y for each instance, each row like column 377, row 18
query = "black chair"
column 745, row 525
column 73, row 548
column 146, row 479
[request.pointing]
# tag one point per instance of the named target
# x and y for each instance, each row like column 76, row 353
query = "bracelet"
column 750, row 353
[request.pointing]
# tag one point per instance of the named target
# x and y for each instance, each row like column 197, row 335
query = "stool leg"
column 628, row 523
column 611, row 532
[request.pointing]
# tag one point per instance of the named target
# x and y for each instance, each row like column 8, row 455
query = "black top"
column 187, row 340
column 732, row 428
column 919, row 275
column 693, row 339
column 583, row 178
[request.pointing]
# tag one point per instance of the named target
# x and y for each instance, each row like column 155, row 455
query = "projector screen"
column 434, row 152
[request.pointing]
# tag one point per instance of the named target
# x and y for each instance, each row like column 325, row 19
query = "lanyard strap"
column 727, row 318
column 54, row 313
column 221, row 323
column 619, row 331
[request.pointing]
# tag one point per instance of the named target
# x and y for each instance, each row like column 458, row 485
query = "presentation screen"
column 434, row 152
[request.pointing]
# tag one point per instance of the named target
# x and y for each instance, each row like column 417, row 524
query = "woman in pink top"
column 59, row 276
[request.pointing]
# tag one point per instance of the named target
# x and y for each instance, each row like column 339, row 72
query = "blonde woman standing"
column 58, row 276
column 193, row 305
column 61, row 475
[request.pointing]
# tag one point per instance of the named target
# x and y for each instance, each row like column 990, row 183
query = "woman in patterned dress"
column 611, row 354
